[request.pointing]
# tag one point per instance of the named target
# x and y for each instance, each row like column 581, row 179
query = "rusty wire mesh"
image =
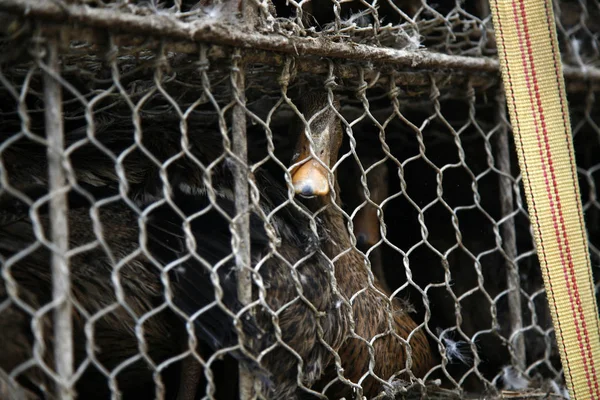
column 187, row 254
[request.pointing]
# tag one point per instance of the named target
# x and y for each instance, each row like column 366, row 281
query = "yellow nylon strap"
column 535, row 93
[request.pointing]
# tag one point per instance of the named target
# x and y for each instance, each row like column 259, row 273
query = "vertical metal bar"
column 59, row 230
column 242, row 224
column 250, row 14
column 508, row 232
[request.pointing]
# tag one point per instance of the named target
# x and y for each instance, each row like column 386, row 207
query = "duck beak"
column 311, row 178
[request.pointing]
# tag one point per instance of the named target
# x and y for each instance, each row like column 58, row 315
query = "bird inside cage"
column 297, row 285
column 372, row 311
column 98, row 178
column 121, row 325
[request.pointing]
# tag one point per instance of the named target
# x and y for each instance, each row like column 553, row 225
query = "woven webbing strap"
column 535, row 93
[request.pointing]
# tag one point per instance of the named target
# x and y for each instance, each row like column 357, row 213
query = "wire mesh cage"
column 314, row 199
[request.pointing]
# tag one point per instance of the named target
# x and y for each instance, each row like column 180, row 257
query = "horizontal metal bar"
column 209, row 30
column 215, row 32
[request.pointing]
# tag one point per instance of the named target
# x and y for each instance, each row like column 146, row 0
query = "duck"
column 97, row 178
column 377, row 320
column 93, row 289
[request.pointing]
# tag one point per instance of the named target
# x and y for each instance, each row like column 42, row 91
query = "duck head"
column 311, row 177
